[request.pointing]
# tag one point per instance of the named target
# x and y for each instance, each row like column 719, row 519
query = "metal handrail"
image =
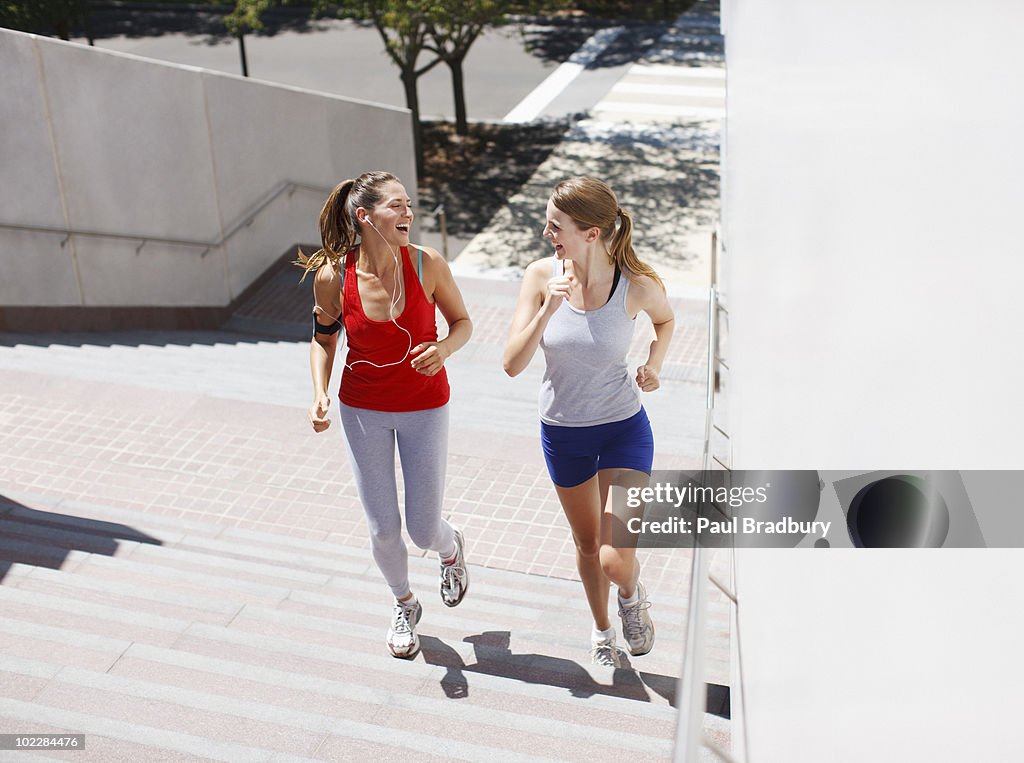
column 243, row 221
column 689, row 731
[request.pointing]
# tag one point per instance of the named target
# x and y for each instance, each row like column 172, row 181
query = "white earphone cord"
column 395, row 296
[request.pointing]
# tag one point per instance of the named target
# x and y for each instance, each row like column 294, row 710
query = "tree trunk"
column 412, row 102
column 241, row 51
column 459, row 91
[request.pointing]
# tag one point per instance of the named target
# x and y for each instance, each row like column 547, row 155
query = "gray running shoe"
column 605, row 652
column 402, row 639
column 454, row 575
column 637, row 628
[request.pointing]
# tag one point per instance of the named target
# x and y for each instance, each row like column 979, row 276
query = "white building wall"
column 872, row 192
column 873, row 188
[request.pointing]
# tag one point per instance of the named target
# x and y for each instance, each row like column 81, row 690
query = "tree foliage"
column 404, row 27
column 50, row 17
column 245, row 17
column 417, row 36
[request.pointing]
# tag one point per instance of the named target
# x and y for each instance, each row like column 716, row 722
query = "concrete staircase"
column 169, row 639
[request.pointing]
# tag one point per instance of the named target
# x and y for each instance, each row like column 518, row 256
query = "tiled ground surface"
column 258, row 465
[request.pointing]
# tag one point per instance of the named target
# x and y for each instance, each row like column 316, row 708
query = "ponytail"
column 339, row 231
column 622, row 253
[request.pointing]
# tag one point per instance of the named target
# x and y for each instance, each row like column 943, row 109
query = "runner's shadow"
column 45, row 539
column 495, row 658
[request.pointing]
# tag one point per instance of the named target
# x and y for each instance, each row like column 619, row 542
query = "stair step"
column 293, row 689
column 348, row 687
column 158, row 601
column 358, row 660
column 212, row 556
column 564, row 628
column 199, row 709
column 146, row 736
column 279, row 631
column 137, row 626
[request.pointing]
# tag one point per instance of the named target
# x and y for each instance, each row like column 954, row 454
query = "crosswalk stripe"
column 659, row 89
column 672, row 70
column 658, row 109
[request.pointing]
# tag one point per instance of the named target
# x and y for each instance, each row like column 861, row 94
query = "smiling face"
column 565, row 235
column 392, row 217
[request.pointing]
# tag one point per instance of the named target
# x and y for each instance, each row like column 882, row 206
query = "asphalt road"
column 348, row 59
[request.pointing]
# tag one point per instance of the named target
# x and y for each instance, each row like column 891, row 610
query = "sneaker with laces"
column 605, row 652
column 402, row 639
column 454, row 575
column 637, row 628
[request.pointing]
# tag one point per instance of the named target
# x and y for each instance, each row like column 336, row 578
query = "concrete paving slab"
column 61, row 582
column 71, row 721
column 126, row 701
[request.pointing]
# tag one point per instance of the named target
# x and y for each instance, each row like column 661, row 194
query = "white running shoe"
column 637, row 628
column 454, row 575
column 605, row 652
column 402, row 639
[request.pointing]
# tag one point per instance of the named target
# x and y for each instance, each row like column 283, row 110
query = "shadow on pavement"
column 658, row 170
column 45, row 539
column 474, row 176
column 495, row 658
column 139, row 20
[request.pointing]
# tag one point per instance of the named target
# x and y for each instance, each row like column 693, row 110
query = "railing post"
column 442, row 222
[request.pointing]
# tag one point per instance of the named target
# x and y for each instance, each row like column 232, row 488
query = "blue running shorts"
column 575, row 454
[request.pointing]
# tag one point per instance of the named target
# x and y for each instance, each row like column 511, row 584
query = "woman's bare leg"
column 582, row 507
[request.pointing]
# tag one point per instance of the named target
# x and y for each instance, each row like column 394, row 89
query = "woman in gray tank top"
column 578, row 307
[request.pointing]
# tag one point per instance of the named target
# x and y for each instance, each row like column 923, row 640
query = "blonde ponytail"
column 591, row 203
column 624, row 255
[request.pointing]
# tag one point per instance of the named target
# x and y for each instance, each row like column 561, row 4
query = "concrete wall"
column 872, row 192
column 98, row 141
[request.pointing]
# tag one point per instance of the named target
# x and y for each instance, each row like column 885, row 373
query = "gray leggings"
column 423, row 448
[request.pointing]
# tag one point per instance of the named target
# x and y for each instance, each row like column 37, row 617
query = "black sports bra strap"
column 615, row 282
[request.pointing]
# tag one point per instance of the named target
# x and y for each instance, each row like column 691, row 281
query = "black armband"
column 319, row 328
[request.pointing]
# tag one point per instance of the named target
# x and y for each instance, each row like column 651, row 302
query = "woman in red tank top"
column 394, row 389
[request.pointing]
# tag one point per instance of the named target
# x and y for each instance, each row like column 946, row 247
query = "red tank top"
column 395, row 387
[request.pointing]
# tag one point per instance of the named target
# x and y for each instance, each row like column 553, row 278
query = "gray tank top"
column 586, row 380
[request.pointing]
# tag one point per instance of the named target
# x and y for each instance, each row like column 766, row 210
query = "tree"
column 404, row 26
column 453, row 30
column 49, row 17
column 245, row 18
column 408, row 29
column 455, row 26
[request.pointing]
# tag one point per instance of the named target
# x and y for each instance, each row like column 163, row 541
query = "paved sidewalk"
column 654, row 136
column 213, row 424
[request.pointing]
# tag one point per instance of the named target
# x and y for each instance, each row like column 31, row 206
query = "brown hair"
column 592, row 204
column 339, row 227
